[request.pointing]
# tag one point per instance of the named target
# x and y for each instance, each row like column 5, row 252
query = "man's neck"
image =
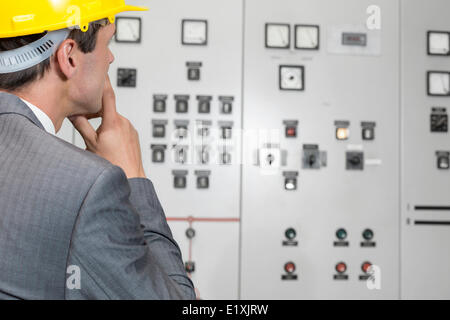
column 47, row 101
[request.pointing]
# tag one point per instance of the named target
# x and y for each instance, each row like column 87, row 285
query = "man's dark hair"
column 86, row 41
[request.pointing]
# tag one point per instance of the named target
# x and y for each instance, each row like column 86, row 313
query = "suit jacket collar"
column 11, row 104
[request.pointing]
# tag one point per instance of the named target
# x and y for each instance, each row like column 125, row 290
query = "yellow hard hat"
column 25, row 17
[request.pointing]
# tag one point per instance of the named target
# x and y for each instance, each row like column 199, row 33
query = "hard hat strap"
column 32, row 54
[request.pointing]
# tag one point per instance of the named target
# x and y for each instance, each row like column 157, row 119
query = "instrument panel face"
column 297, row 147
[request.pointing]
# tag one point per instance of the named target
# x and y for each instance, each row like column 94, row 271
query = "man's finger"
column 109, row 102
column 86, row 130
column 95, row 115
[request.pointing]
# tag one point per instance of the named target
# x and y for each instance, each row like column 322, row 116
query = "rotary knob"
column 190, row 266
column 190, row 233
column 355, row 160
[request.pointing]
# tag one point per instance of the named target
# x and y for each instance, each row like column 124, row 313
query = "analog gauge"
column 195, row 32
column 278, row 36
column 128, row 30
column 439, row 120
column 292, row 78
column 126, row 78
column 438, row 43
column 307, row 37
column 438, row 83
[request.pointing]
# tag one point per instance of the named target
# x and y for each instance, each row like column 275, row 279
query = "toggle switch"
column 180, row 155
column 181, row 129
column 443, row 160
column 159, row 128
column 203, row 182
column 204, row 104
column 226, row 129
column 159, row 131
column 269, row 157
column 313, row 158
column 159, row 103
column 203, row 179
column 181, row 103
column 227, row 107
column 226, row 158
column 158, row 153
column 226, row 104
column 368, row 131
column 179, row 179
column 204, row 155
column 194, row 73
column 227, row 133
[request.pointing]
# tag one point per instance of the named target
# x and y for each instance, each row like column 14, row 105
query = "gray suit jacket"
column 65, row 209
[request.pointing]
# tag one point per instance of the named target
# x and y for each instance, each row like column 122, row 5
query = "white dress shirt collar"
column 42, row 117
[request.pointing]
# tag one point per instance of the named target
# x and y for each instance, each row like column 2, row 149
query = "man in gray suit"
column 77, row 224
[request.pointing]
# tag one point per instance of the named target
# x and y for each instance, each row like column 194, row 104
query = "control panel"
column 320, row 215
column 300, row 148
column 425, row 149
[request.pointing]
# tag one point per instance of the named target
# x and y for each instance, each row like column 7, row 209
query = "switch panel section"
column 159, row 128
column 425, row 150
column 192, row 83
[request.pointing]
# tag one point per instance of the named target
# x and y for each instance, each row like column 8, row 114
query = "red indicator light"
column 341, row 267
column 289, row 267
column 366, row 266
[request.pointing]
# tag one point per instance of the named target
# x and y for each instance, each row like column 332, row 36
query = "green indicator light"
column 341, row 234
column 290, row 234
column 368, row 234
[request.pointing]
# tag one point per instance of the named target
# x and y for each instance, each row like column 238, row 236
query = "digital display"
column 354, row 39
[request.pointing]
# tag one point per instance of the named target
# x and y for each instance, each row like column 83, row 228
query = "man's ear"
column 67, row 58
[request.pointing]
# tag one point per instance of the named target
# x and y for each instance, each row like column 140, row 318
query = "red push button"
column 289, row 267
column 341, row 267
column 291, row 132
column 365, row 267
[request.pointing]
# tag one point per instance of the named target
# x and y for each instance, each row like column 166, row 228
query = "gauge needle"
column 132, row 31
column 445, row 87
column 313, row 44
column 441, row 122
column 284, row 41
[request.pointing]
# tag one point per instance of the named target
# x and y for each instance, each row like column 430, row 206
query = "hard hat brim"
column 83, row 23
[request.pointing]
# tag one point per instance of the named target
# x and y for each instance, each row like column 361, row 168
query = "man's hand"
column 116, row 140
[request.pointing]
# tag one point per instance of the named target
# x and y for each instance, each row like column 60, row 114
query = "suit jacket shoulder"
column 44, row 183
